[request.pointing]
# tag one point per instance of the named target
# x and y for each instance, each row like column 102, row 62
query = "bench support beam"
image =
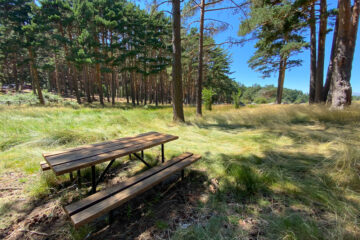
column 141, row 159
column 111, row 217
column 79, row 178
column 162, row 153
column 93, row 180
column 104, row 172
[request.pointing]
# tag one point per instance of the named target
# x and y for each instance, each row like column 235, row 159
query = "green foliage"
column 260, row 100
column 207, row 95
column 279, row 38
column 267, row 94
column 32, row 99
column 236, row 98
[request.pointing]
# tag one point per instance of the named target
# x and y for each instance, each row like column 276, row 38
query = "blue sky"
column 295, row 78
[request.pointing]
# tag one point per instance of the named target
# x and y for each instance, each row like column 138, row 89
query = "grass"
column 284, row 172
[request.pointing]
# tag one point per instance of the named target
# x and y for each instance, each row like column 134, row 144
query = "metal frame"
column 141, row 159
column 95, row 182
column 162, row 153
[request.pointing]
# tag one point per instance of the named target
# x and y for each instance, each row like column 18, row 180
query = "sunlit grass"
column 293, row 168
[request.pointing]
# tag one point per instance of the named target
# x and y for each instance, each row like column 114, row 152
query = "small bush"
column 260, row 100
column 74, row 105
column 236, row 98
column 207, row 94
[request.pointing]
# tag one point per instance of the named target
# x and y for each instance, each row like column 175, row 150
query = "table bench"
column 97, row 204
column 105, row 201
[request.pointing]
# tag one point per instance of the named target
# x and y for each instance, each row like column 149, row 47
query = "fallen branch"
column 34, row 232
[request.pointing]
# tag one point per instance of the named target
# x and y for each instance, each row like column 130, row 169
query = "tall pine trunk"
column 178, row 112
column 321, row 52
column 57, row 80
column 15, row 72
column 312, row 54
column 281, row 78
column 327, row 85
column 345, row 44
column 35, row 76
column 113, row 86
column 87, row 84
column 201, row 53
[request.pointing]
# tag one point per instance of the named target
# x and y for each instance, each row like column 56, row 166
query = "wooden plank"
column 60, row 159
column 118, row 199
column 44, row 166
column 95, row 145
column 93, row 199
column 86, row 162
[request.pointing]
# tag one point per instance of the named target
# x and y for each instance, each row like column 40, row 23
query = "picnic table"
column 75, row 159
column 105, row 201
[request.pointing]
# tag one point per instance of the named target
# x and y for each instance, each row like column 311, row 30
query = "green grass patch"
column 293, row 170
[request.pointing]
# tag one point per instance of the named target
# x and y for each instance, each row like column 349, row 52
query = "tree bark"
column 201, row 53
column 57, row 75
column 76, row 84
column 327, row 85
column 15, row 72
column 113, row 86
column 132, row 88
column 321, row 52
column 346, row 39
column 178, row 112
column 87, row 84
column 312, row 54
column 35, row 76
column 282, row 68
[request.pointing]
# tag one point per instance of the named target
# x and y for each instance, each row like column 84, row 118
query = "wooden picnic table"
column 75, row 159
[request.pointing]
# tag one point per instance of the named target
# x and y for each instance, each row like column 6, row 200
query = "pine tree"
column 276, row 26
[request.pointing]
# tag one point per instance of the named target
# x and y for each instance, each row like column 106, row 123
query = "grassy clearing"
column 283, row 172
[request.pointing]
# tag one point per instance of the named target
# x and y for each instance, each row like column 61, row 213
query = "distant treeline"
column 267, row 94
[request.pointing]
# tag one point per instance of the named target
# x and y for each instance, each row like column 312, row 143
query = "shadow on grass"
column 125, row 106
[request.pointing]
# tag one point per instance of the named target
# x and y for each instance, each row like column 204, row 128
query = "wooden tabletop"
column 69, row 160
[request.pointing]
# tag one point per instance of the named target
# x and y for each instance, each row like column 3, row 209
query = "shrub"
column 74, row 105
column 260, row 100
column 207, row 94
column 236, row 98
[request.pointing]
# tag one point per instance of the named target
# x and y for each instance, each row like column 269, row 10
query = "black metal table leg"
column 182, row 174
column 111, row 217
column 142, row 154
column 71, row 176
column 93, row 175
column 162, row 153
column 104, row 172
column 79, row 178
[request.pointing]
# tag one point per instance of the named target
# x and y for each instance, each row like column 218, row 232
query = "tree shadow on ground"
column 157, row 212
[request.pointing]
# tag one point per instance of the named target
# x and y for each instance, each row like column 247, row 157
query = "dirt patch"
column 153, row 215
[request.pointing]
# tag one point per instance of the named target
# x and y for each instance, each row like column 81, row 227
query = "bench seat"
column 100, row 203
